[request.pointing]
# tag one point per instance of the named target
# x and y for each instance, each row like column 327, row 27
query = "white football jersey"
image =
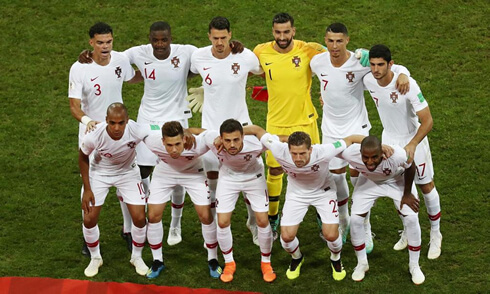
column 188, row 162
column 113, row 157
column 165, row 82
column 396, row 111
column 244, row 166
column 224, row 82
column 312, row 179
column 99, row 86
column 342, row 90
column 387, row 171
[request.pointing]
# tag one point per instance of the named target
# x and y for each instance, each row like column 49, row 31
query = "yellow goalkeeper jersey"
column 288, row 77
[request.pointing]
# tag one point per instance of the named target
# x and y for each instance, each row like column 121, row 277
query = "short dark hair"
column 219, row 23
column 371, row 142
column 160, row 26
column 283, row 17
column 380, row 51
column 172, row 129
column 337, row 27
column 117, row 106
column 229, row 126
column 298, row 139
column 99, row 28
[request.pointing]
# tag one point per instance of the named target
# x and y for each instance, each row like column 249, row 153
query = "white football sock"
column 335, row 248
column 342, row 198
column 178, row 197
column 414, row 237
column 353, row 180
column 146, row 186
column 225, row 240
column 91, row 237
column 155, row 238
column 357, row 237
column 127, row 223
column 139, row 238
column 265, row 242
column 212, row 183
column 250, row 213
column 211, row 240
column 432, row 203
column 292, row 248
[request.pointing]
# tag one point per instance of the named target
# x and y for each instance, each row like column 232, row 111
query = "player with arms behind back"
column 286, row 65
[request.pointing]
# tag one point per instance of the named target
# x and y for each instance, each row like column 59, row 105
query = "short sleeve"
column 193, row 62
column 254, row 63
column 208, row 138
column 313, row 49
column 88, row 144
column 268, row 140
column 75, row 84
column 129, row 53
column 128, row 69
column 416, row 97
column 331, row 150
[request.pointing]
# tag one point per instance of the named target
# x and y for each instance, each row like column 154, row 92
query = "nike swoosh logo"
column 205, row 68
column 146, row 63
column 336, row 215
column 323, row 75
column 94, row 79
column 268, row 63
column 371, row 91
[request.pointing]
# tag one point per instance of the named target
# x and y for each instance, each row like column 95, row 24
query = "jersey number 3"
column 97, row 90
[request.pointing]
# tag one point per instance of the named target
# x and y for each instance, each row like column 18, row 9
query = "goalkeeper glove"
column 196, row 99
column 363, row 56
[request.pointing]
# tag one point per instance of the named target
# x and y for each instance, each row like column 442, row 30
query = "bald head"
column 117, row 108
column 117, row 119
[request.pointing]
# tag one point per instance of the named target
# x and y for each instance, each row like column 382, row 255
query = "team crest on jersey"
column 175, row 61
column 394, row 97
column 296, row 61
column 315, row 167
column 247, row 157
column 235, row 67
column 132, row 144
column 387, row 171
column 350, row 76
column 118, row 71
column 189, row 157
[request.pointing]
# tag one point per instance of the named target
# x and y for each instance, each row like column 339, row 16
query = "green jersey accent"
column 337, row 144
column 421, row 97
column 154, row 127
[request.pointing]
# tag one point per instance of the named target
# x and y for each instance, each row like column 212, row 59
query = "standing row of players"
column 287, row 65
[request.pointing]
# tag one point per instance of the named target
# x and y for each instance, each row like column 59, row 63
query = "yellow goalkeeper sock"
column 274, row 186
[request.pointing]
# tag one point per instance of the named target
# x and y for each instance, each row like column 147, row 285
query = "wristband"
column 85, row 120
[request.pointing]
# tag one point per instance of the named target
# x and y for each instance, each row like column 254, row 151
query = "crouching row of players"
column 107, row 158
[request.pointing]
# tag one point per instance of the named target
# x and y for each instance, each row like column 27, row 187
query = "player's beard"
column 283, row 45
